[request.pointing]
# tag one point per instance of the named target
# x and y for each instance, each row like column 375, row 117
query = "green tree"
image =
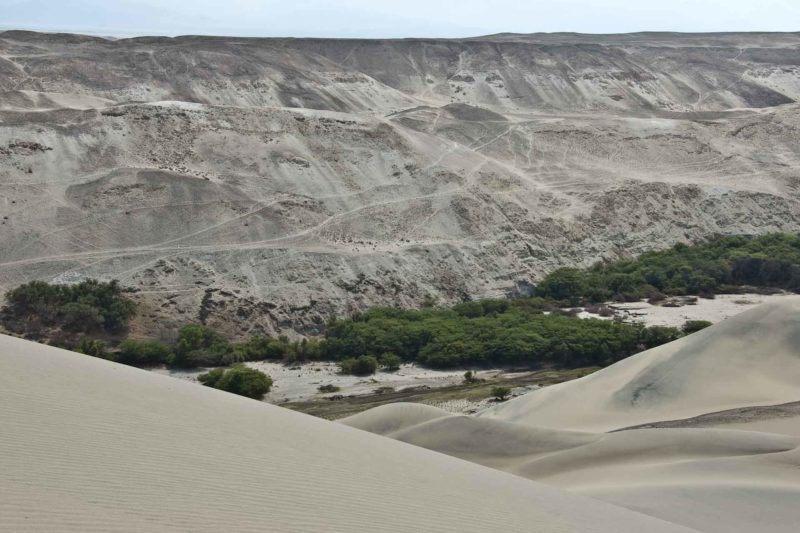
column 564, row 284
column 390, row 362
column 200, row 345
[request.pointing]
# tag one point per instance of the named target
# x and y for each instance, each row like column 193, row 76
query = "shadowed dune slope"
column 89, row 445
column 750, row 359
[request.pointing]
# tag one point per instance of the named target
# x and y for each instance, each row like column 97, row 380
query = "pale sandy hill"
column 719, row 455
column 713, row 480
column 89, row 445
column 750, row 359
column 489, row 442
column 391, row 418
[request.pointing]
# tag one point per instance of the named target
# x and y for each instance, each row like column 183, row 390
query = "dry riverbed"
column 714, row 310
column 297, row 386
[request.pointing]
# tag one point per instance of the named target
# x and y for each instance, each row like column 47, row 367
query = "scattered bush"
column 470, row 377
column 364, row 365
column 328, row 388
column 238, row 379
column 693, row 326
column 92, row 347
column 501, row 393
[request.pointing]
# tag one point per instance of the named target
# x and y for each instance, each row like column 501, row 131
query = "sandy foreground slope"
column 88, row 445
column 733, row 467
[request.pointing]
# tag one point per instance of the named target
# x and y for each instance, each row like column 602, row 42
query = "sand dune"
column 89, row 445
column 711, row 480
column 718, row 455
column 750, row 359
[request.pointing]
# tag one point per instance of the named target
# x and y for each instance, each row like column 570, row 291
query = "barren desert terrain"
column 262, row 185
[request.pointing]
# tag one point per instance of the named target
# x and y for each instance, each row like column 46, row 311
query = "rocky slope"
column 262, row 185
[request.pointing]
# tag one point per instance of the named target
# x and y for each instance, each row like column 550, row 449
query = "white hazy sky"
column 393, row 18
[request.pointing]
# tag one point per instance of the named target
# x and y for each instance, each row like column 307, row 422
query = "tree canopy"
column 720, row 265
column 88, row 306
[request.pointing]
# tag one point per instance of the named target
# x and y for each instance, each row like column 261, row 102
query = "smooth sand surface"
column 714, row 480
column 725, row 459
column 750, row 359
column 89, row 445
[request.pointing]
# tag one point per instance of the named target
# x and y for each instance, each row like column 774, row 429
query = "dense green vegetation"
column 87, row 307
column 238, row 379
column 144, row 353
column 721, row 265
column 529, row 332
column 390, row 362
column 494, row 332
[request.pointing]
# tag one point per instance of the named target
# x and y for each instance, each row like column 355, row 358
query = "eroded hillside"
column 262, row 185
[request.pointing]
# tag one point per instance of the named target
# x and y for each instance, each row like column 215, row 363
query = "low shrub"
column 144, row 352
column 501, row 393
column 470, row 377
column 238, row 379
column 364, row 365
column 93, row 347
column 693, row 326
